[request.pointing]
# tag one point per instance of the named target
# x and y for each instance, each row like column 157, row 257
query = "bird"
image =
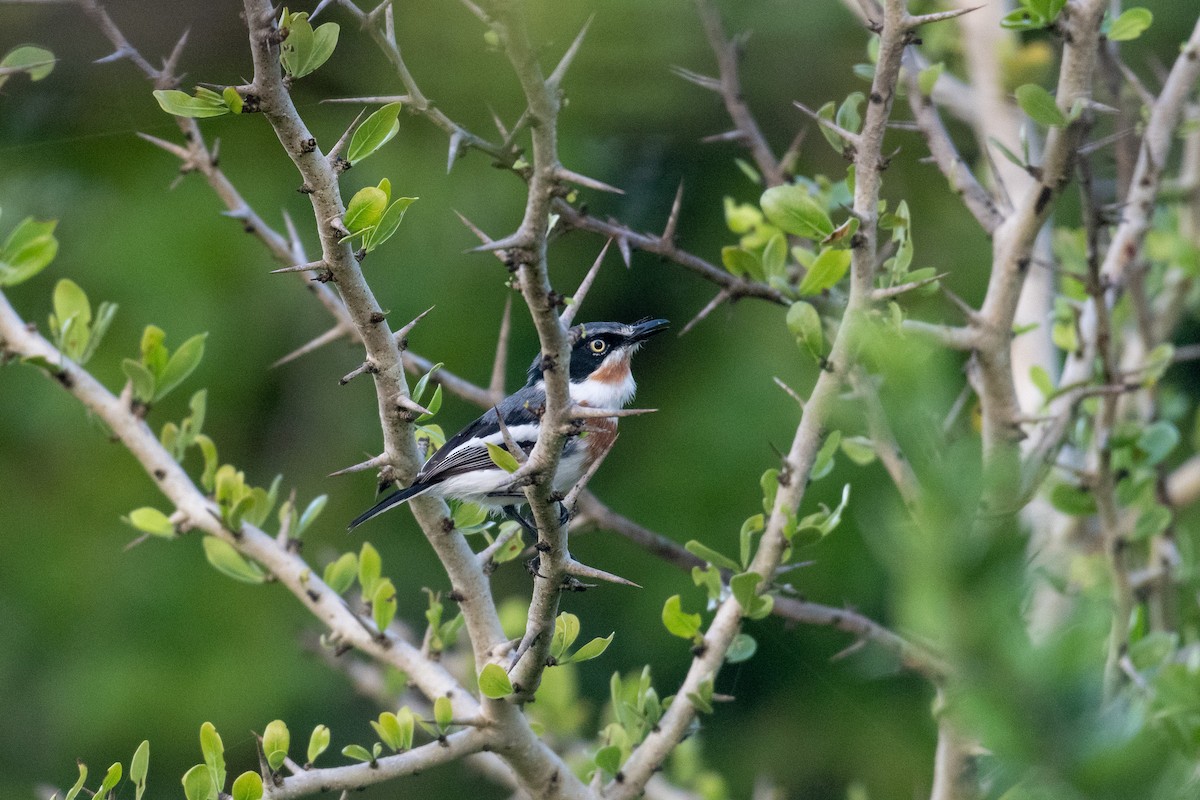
column 599, row 377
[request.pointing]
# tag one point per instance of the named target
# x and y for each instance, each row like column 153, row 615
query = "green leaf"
column 805, row 324
column 494, row 682
column 182, row 363
column 1040, row 106
column 710, row 555
column 742, row 263
column 71, row 306
column 592, row 649
column 1023, row 19
column 1157, row 441
column 742, row 648
column 826, row 112
column 1042, row 380
column 928, row 77
column 502, row 458
column 566, row 631
column 233, row 100
column 140, row 377
column 214, row 755
column 311, row 512
column 383, row 604
column 406, row 721
column 78, row 786
column 36, row 62
column 304, row 50
column 1130, row 25
column 27, row 251
column 388, row 223
column 199, row 106
column 1073, row 500
column 823, row 461
column 365, row 210
column 375, row 131
column 825, row 272
column 744, row 588
column 275, row 743
column 388, row 728
column 197, row 784
column 792, row 208
column 443, row 711
column 111, row 779
column 677, row 622
column 248, row 786
column 152, row 521
column 848, row 115
column 227, row 560
column 355, row 751
column 318, row 742
column 859, row 449
column 1152, row 522
column 139, row 765
column 370, row 568
column 774, row 256
column 769, row 482
column 608, row 758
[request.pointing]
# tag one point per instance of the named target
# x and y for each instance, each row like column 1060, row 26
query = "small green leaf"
column 443, row 711
column 78, row 786
column 502, row 458
column 1073, row 500
column 774, row 256
column 111, row 779
column 365, row 210
column 304, row 50
column 848, row 115
column 742, row 263
column 826, row 112
column 859, row 449
column 805, row 324
column 152, row 521
column 388, row 728
column 1040, row 106
column 1152, row 522
column 199, row 106
column 222, row 555
column 383, row 604
column 182, row 363
column 139, row 765
column 1157, row 441
column 318, row 742
column 248, row 786
column 823, row 461
column 1042, row 380
column 793, row 209
column 1130, row 25
column 311, row 512
column 275, row 742
column 36, row 62
column 140, row 377
column 232, row 99
column 375, row 131
column 1023, row 19
column 494, row 682
column 197, row 784
column 744, row 588
column 355, row 751
column 609, row 759
column 370, row 568
column 928, row 77
column 710, row 555
column 566, row 631
column 388, row 223
column 825, row 272
column 27, row 251
column 592, row 649
column 677, row 622
column 214, row 754
column 405, row 719
column 742, row 648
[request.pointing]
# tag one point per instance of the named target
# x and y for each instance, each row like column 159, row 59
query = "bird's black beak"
column 646, row 328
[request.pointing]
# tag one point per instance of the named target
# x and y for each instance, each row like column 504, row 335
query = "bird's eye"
column 598, row 346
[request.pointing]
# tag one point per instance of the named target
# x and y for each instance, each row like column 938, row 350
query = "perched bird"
column 600, row 377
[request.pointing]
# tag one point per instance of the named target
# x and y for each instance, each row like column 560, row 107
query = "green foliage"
column 440, row 634
column 793, row 209
column 635, row 710
column 502, row 458
column 36, row 62
column 1040, row 106
column 1033, row 15
column 375, row 131
column 566, row 631
column 151, row 521
column 158, row 371
column 240, row 502
column 275, row 742
column 201, row 105
column 213, row 750
column 443, row 715
column 494, row 682
column 340, row 573
column 383, row 604
column 139, row 765
column 678, row 622
column 305, row 49
column 395, row 730
column 228, row 561
column 318, row 743
column 744, row 587
column 1129, row 25
column 804, row 322
column 29, row 248
column 372, row 215
column 71, row 325
column 247, row 786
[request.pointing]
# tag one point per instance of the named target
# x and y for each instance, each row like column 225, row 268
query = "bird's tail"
column 393, row 499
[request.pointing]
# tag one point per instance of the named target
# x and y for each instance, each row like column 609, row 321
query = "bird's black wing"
column 459, row 455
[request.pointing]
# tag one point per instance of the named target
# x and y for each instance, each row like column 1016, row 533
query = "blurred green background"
column 101, row 647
